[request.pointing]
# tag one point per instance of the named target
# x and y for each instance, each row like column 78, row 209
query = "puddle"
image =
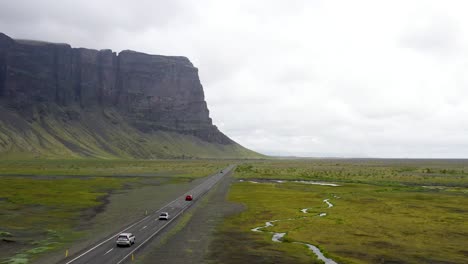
column 436, row 187
column 303, row 182
column 327, row 202
column 318, row 183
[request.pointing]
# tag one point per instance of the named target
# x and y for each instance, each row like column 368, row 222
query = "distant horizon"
column 337, row 156
column 362, row 158
column 362, row 78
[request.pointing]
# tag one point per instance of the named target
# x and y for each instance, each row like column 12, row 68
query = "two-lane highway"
column 144, row 230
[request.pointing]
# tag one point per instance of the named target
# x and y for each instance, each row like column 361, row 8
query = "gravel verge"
column 122, row 208
column 188, row 239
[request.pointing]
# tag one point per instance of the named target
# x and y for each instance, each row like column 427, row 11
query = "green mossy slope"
column 55, row 132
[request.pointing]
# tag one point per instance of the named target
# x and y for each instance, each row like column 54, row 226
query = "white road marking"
column 208, row 183
column 108, row 251
column 143, row 228
column 98, row 245
column 174, row 217
column 157, row 231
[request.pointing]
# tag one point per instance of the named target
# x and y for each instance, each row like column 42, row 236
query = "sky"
column 331, row 78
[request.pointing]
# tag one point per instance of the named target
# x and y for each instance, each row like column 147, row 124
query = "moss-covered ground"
column 54, row 132
column 385, row 211
column 48, row 205
column 100, row 167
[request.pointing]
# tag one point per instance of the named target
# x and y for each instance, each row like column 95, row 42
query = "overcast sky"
column 310, row 78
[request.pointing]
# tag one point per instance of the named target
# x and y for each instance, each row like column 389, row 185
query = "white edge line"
column 157, row 231
column 98, row 245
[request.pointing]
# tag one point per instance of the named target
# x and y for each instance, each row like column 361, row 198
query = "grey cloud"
column 93, row 20
column 439, row 37
column 295, row 78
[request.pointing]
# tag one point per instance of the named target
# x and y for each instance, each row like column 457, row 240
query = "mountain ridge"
column 55, row 93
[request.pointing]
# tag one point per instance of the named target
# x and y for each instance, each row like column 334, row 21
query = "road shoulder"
column 188, row 240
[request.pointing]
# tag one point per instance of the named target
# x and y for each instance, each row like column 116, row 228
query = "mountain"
column 62, row 102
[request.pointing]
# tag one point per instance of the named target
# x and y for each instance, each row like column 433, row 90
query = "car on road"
column 125, row 239
column 188, row 198
column 164, row 216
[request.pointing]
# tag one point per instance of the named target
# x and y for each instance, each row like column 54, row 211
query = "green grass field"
column 40, row 214
column 385, row 211
column 45, row 205
column 100, row 167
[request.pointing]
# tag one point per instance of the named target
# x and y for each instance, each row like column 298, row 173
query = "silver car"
column 125, row 239
column 164, row 216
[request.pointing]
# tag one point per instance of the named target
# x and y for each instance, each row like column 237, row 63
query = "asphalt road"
column 144, row 230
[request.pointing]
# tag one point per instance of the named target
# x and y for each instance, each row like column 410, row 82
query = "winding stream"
column 278, row 237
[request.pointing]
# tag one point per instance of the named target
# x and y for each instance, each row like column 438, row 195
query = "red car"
column 188, row 198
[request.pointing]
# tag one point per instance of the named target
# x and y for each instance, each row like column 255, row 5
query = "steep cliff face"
column 151, row 93
column 159, row 92
column 5, row 44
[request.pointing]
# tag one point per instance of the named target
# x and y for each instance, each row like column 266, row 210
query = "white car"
column 164, row 216
column 125, row 239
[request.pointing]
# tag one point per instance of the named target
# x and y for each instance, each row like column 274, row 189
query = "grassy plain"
column 385, row 211
column 100, row 167
column 45, row 205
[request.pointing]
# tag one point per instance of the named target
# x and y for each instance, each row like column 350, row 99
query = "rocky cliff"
column 41, row 81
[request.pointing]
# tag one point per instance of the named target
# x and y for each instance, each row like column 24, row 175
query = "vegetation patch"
column 46, row 205
column 427, row 173
column 49, row 131
column 41, row 214
column 381, row 213
column 100, row 167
